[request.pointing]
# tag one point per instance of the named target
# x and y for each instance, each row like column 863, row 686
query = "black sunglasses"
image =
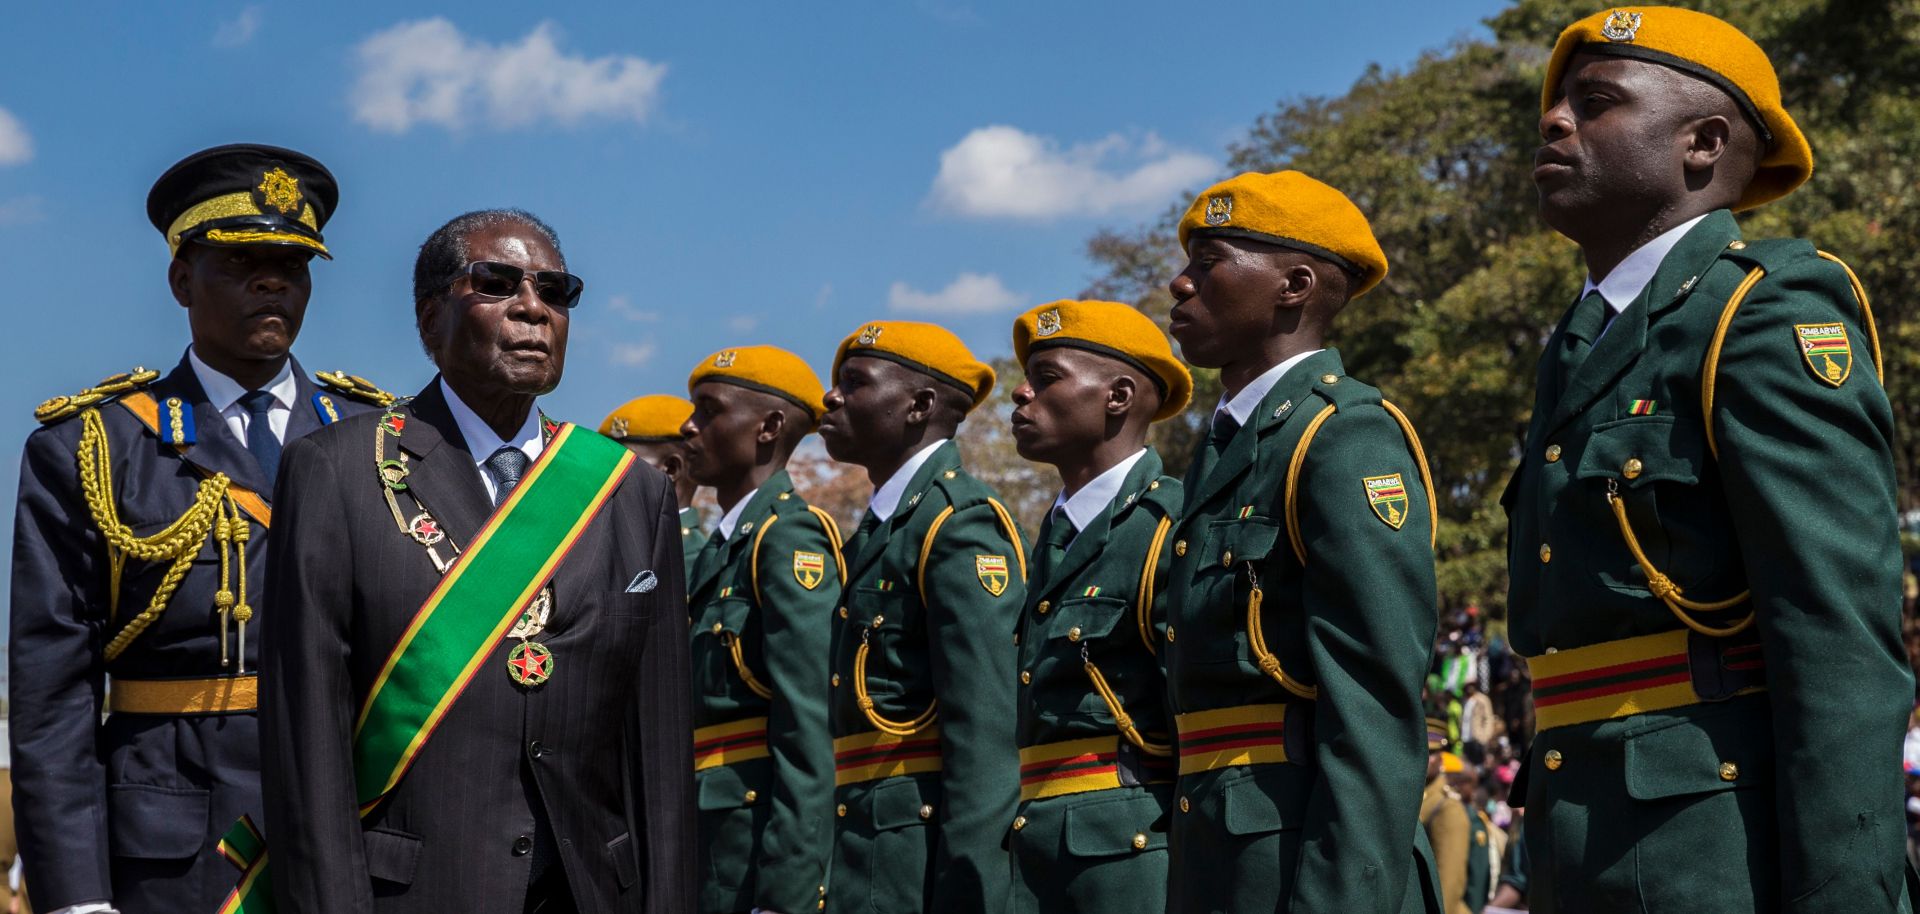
column 491, row 279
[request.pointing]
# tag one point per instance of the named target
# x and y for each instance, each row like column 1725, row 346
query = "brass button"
column 1555, row 760
column 1546, row 553
column 685, row 531
column 836, row 680
column 878, row 620
column 1631, row 469
column 1185, row 806
column 1553, row 453
column 1019, row 822
column 843, row 612
column 1736, row 245
column 1073, row 634
column 752, row 795
column 926, row 812
column 841, row 810
column 1329, row 379
column 1026, row 677
column 718, row 628
column 1139, row 841
column 1016, row 639
column 1179, row 547
column 1729, row 771
column 820, row 905
column 1153, row 485
column 948, row 474
column 1226, row 559
column 784, row 496
column 1169, row 634
column 1043, row 607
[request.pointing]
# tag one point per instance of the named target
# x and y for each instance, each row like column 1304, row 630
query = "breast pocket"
column 1234, row 555
column 1086, row 619
column 1652, row 466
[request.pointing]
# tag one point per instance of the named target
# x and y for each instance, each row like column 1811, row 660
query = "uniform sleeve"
column 307, row 709
column 1448, row 831
column 661, row 728
column 973, row 658
column 58, row 610
column 797, row 623
column 1809, row 478
column 1370, row 605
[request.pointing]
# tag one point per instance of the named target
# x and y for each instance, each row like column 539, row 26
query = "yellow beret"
column 1292, row 210
column 1452, row 764
column 1110, row 329
column 768, row 369
column 925, row 348
column 648, row 419
column 1708, row 48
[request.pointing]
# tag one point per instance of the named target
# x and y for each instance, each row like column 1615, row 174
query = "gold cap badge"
column 1219, row 210
column 725, row 359
column 280, row 191
column 1621, row 25
column 1048, row 323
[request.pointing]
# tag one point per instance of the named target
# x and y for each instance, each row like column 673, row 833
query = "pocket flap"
column 724, row 787
column 392, row 854
column 1095, row 617
column 1721, row 750
column 1114, row 827
column 1644, row 450
column 625, row 868
column 1232, row 541
column 158, row 823
column 905, row 801
column 870, row 603
column 1260, row 803
column 730, row 613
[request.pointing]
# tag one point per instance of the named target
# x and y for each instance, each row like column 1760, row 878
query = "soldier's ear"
column 921, row 407
column 179, row 279
column 771, row 426
column 1298, row 285
column 1121, row 395
column 1707, row 140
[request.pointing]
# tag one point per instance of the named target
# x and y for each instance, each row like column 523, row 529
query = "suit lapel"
column 945, row 458
column 443, row 477
column 1276, row 409
column 215, row 449
column 1091, row 542
column 304, row 421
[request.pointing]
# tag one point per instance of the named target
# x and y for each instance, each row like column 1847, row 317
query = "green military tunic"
column 1479, row 860
column 1321, row 576
column 762, row 605
column 1091, row 833
column 691, row 536
column 931, row 601
column 1751, row 771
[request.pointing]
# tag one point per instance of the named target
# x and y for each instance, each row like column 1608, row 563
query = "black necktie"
column 1583, row 328
column 261, row 441
column 710, row 554
column 1219, row 436
column 1060, row 533
column 506, row 466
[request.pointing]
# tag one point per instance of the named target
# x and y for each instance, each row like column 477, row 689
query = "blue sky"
column 719, row 173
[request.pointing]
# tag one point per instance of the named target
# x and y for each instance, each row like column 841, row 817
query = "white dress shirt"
column 482, row 440
column 1241, row 405
column 732, row 517
column 225, row 393
column 1627, row 280
column 887, row 498
column 1094, row 497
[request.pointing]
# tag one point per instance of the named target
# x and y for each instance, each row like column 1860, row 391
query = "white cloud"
column 633, row 355
column 743, row 323
column 16, row 145
column 428, row 72
column 823, row 296
column 623, row 306
column 239, row 30
column 1005, row 172
column 969, row 293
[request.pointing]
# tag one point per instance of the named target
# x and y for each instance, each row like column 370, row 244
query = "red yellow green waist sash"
column 1641, row 675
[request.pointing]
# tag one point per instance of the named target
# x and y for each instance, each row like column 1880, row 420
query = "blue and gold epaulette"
column 60, row 408
column 351, row 386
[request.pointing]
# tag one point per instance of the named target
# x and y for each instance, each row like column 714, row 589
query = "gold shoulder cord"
column 732, row 640
column 1143, row 612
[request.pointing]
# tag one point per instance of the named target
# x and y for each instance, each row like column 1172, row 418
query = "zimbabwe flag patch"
column 1387, row 496
column 809, row 568
column 992, row 570
column 1827, row 351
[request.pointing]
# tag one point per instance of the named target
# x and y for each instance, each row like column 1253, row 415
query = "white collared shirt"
column 1625, row 282
column 732, row 517
column 1241, row 405
column 887, row 498
column 482, row 440
column 224, row 394
column 1094, row 497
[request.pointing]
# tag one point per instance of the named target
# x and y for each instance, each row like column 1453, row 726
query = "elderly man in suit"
column 479, row 700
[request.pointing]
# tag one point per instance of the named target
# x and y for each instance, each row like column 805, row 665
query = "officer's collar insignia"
column 725, row 359
column 279, row 190
column 1387, row 496
column 1281, row 410
column 992, row 571
column 177, row 427
column 618, row 428
column 809, row 568
column 1621, row 25
column 1827, row 351
column 323, row 408
column 1219, row 209
column 1049, row 323
column 871, row 335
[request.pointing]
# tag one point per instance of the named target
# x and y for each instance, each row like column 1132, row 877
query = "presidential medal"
column 530, row 663
column 533, row 620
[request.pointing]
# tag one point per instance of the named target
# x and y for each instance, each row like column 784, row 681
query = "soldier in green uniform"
column 1445, row 820
column 1302, row 596
column 650, row 427
column 1705, row 570
column 1096, row 756
column 923, row 657
column 761, row 596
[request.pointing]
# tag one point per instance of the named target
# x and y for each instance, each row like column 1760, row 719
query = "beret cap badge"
column 1048, row 323
column 1621, row 25
column 1219, row 209
column 725, row 359
column 871, row 334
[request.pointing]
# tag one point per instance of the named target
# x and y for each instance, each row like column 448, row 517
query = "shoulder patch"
column 992, row 571
column 809, row 568
column 354, row 387
column 1387, row 496
column 1827, row 351
column 60, row 408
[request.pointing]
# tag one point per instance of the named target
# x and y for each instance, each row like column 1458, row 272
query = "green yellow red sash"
column 460, row 625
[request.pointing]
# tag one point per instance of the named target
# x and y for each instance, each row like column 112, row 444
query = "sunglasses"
column 494, row 280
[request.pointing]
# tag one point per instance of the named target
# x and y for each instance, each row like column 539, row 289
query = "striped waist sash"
column 871, row 756
column 1635, row 676
column 1228, row 737
column 1079, row 766
column 729, row 743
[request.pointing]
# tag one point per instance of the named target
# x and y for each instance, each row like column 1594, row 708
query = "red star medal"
column 530, row 663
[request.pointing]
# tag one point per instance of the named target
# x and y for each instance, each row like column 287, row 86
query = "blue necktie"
column 506, row 465
column 260, row 438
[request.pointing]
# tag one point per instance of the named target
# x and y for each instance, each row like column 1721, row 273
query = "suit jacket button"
column 718, row 628
column 1555, row 760
column 1019, row 822
column 1632, row 468
column 1043, row 607
column 751, row 796
column 1553, row 453
column 1185, row 805
column 840, row 810
column 926, row 811
column 1073, row 634
column 522, row 846
column 1026, row 677
column 843, row 612
column 1169, row 633
column 1729, row 771
column 536, row 749
column 836, row 680
column 1179, row 547
column 1139, row 841
column 1546, row 553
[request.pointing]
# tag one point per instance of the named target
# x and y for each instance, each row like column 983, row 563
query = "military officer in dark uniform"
column 761, row 599
column 650, row 427
column 1705, row 567
column 1096, row 749
column 922, row 678
column 140, row 548
column 1302, row 596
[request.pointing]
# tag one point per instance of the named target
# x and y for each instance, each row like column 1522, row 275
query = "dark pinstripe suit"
column 605, row 745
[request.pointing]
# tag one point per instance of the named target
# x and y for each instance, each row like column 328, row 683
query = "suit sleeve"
column 307, row 707
column 58, row 611
column 661, row 778
column 797, row 623
column 973, row 659
column 1809, row 478
column 1370, row 603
